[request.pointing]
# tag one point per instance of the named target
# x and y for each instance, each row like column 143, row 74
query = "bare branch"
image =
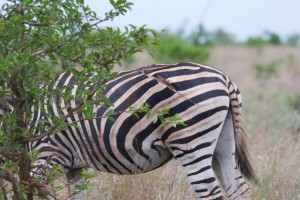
column 34, row 23
column 8, row 176
column 38, row 52
column 43, row 190
column 2, row 187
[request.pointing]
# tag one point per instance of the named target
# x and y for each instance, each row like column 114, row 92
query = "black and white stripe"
column 204, row 97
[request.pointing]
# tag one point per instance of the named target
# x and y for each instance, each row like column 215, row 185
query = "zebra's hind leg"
column 225, row 165
column 74, row 178
column 196, row 158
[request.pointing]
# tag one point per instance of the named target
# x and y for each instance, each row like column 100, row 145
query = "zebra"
column 212, row 147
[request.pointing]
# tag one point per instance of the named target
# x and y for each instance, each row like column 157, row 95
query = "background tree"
column 201, row 36
column 176, row 47
column 272, row 38
column 222, row 37
column 293, row 40
column 39, row 39
column 173, row 48
column 257, row 41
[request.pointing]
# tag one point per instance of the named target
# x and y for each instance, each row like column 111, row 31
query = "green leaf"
column 112, row 2
column 174, row 124
column 106, row 100
column 164, row 111
column 132, row 107
column 110, row 112
column 136, row 115
column 155, row 119
column 111, row 119
column 149, row 114
column 55, row 167
column 163, row 122
column 182, row 123
column 87, row 174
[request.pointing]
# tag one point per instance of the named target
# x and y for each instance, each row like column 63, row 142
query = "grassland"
column 269, row 79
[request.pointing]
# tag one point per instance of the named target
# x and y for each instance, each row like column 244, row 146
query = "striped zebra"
column 212, row 147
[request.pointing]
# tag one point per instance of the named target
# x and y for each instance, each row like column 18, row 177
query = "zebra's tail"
column 242, row 152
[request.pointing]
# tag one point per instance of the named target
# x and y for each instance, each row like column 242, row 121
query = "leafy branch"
column 39, row 39
column 162, row 115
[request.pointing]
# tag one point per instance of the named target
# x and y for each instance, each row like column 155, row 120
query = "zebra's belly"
column 133, row 161
column 158, row 156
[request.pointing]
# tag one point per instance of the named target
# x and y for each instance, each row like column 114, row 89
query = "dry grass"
column 273, row 125
column 166, row 183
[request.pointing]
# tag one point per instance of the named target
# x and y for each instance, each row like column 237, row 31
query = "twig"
column 2, row 187
column 6, row 175
column 34, row 23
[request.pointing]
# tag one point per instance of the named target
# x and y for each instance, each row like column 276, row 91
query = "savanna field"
column 40, row 39
column 269, row 79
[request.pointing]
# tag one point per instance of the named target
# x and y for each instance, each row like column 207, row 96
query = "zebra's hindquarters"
column 215, row 138
column 195, row 153
column 194, row 145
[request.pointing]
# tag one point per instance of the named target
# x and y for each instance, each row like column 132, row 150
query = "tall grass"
column 166, row 183
column 275, row 142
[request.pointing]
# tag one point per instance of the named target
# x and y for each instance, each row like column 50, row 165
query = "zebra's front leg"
column 74, row 178
column 197, row 163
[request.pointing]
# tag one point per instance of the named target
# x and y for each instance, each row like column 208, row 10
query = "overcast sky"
column 243, row 18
